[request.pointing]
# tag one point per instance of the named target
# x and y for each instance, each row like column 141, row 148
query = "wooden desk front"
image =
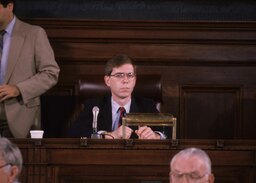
column 137, row 161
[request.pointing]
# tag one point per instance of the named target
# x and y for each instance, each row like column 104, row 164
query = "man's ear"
column 10, row 6
column 211, row 178
column 106, row 79
column 13, row 173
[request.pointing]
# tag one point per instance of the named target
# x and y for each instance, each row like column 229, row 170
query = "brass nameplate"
column 150, row 119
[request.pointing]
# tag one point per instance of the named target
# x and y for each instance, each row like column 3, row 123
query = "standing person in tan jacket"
column 28, row 69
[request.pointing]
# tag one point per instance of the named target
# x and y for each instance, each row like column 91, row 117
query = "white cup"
column 36, row 134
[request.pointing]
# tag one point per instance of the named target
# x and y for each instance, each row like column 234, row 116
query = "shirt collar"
column 10, row 26
column 115, row 106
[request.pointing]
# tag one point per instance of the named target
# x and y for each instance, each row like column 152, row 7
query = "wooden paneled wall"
column 208, row 70
column 128, row 161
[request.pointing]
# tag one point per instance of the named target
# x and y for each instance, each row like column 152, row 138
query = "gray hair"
column 194, row 152
column 11, row 153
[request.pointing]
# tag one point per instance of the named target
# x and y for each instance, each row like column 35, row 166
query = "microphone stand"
column 95, row 134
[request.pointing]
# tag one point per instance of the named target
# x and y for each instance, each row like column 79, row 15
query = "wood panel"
column 138, row 161
column 195, row 54
column 225, row 101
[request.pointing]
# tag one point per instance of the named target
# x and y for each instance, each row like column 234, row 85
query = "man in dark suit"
column 120, row 77
column 28, row 69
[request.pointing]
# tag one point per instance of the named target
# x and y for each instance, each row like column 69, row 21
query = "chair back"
column 91, row 86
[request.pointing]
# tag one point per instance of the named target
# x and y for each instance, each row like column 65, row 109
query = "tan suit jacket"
column 31, row 66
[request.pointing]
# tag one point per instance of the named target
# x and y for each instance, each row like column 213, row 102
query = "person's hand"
column 118, row 133
column 8, row 91
column 145, row 132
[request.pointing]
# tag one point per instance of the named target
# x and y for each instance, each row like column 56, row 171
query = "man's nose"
column 126, row 78
column 184, row 179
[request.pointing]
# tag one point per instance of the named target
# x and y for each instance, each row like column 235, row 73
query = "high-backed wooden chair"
column 90, row 86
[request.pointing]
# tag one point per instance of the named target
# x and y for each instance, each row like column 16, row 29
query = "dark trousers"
column 4, row 129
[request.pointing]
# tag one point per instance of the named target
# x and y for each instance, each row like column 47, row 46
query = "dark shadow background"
column 224, row 10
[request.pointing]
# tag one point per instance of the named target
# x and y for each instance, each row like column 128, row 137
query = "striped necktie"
column 122, row 113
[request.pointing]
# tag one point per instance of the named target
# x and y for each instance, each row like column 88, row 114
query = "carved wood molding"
column 150, row 31
column 156, row 42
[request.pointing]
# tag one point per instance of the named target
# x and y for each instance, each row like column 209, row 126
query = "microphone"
column 95, row 112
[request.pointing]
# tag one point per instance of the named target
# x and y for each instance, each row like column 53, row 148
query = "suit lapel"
column 134, row 107
column 15, row 49
column 106, row 115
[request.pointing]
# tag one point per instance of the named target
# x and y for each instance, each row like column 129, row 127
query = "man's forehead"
column 189, row 164
column 124, row 67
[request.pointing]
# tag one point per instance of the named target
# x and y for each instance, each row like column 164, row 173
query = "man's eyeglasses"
column 192, row 177
column 2, row 166
column 121, row 75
